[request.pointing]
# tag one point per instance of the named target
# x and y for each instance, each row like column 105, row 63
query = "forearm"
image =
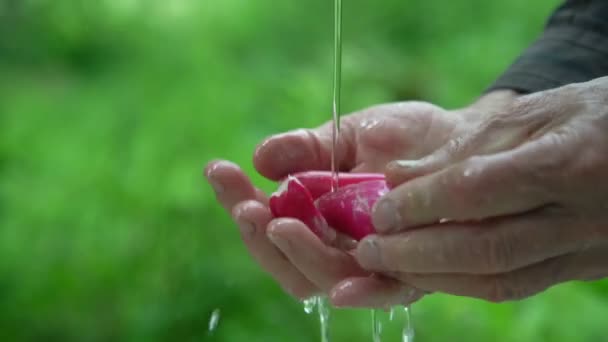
column 573, row 48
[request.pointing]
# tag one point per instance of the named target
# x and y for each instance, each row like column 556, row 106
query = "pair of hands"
column 498, row 201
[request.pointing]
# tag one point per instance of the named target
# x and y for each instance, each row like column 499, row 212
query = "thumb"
column 495, row 134
column 303, row 150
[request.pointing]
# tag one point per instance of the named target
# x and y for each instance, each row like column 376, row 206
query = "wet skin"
column 520, row 180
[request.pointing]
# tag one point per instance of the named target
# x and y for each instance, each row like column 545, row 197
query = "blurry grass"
column 109, row 110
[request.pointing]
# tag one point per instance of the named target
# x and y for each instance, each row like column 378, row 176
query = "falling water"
column 323, row 309
column 408, row 327
column 376, row 326
column 321, row 303
column 337, row 84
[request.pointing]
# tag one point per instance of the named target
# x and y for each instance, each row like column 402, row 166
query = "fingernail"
column 368, row 254
column 210, row 170
column 345, row 286
column 290, row 147
column 215, row 184
column 277, row 240
column 385, row 216
column 405, row 164
column 341, row 294
column 247, row 228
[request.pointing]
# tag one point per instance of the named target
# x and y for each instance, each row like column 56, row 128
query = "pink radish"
column 318, row 183
column 349, row 209
column 307, row 196
column 293, row 200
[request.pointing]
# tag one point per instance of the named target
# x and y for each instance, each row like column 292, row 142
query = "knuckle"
column 441, row 156
column 472, row 144
column 454, row 149
column 496, row 122
column 454, row 145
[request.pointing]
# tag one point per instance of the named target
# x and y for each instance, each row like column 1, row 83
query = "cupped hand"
column 369, row 139
column 510, row 208
column 285, row 248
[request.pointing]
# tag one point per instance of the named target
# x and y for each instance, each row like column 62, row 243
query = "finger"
column 261, row 196
column 493, row 246
column 325, row 266
column 518, row 121
column 518, row 284
column 457, row 150
column 373, row 292
column 343, row 242
column 230, row 184
column 253, row 218
column 500, row 184
column 305, row 149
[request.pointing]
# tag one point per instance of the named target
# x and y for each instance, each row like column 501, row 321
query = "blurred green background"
column 110, row 109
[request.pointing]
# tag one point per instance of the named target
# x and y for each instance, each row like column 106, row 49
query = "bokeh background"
column 110, row 109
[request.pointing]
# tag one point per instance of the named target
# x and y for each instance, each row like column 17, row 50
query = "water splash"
column 309, row 304
column 323, row 309
column 214, row 320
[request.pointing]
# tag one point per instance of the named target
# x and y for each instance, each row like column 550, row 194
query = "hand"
column 524, row 195
column 286, row 248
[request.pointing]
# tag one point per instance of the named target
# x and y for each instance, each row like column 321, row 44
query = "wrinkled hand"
column 285, row 248
column 524, row 194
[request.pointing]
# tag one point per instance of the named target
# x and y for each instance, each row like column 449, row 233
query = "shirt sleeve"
column 573, row 48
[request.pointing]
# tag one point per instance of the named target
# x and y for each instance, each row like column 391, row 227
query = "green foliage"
column 110, row 109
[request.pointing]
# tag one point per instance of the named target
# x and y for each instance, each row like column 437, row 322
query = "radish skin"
column 349, row 209
column 307, row 196
column 293, row 200
column 319, row 183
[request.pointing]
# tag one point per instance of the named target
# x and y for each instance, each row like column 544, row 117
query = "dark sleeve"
column 573, row 48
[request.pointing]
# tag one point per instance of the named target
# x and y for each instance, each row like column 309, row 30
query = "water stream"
column 321, row 303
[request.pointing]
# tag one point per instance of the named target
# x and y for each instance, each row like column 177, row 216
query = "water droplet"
column 369, row 124
column 444, row 220
column 309, row 304
column 408, row 330
column 376, row 327
column 214, row 320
